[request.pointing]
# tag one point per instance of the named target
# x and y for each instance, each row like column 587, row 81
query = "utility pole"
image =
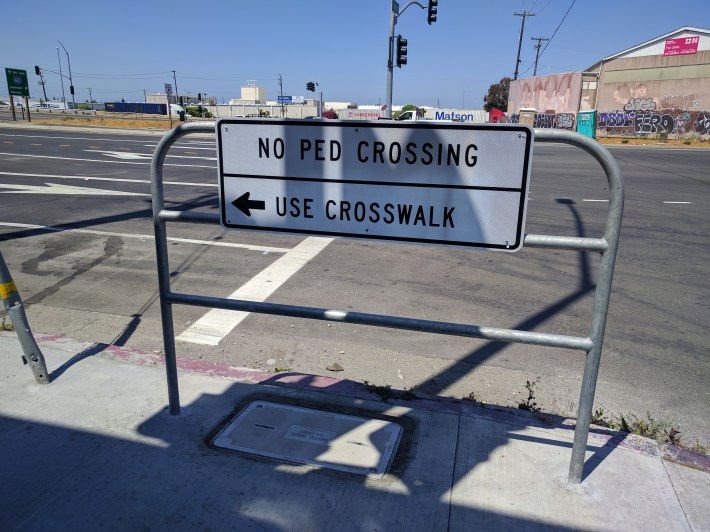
column 281, row 93
column 38, row 71
column 91, row 99
column 520, row 42
column 537, row 50
column 177, row 94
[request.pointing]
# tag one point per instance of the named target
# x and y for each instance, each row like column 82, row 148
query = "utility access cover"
column 321, row 439
column 423, row 182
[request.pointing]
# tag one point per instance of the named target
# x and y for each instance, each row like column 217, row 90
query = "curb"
column 564, row 427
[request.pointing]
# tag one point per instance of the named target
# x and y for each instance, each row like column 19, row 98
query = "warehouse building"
column 661, row 86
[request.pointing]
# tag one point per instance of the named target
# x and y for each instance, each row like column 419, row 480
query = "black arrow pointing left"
column 244, row 204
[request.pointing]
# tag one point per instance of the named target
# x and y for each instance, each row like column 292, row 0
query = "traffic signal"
column 37, row 70
column 401, row 51
column 199, row 96
column 71, row 89
column 311, row 86
column 431, row 14
column 181, row 100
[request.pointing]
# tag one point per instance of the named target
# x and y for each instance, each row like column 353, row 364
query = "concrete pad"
column 693, row 490
column 516, row 478
column 97, row 449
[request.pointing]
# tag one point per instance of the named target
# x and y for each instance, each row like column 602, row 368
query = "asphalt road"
column 83, row 259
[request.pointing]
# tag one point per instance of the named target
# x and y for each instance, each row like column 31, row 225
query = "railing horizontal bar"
column 566, row 242
column 188, row 216
column 394, row 322
column 535, row 241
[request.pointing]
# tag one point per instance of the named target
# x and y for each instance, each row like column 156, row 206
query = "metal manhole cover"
column 321, row 439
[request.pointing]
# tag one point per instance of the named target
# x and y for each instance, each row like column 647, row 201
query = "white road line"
column 49, row 228
column 125, row 155
column 112, row 161
column 217, row 323
column 63, row 190
column 679, row 202
column 116, row 179
column 599, row 200
column 92, row 139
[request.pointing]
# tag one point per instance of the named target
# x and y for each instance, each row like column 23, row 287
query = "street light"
column 61, row 77
column 71, row 81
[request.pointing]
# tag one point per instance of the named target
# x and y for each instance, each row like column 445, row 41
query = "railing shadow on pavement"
column 95, row 478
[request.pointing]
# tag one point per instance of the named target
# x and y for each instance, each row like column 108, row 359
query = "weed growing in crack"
column 662, row 431
column 530, row 404
column 386, row 392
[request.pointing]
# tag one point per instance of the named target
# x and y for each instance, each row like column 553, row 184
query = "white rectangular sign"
column 426, row 182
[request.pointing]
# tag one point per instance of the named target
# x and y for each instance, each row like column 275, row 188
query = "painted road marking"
column 218, row 323
column 599, row 200
column 54, row 137
column 679, row 202
column 103, row 160
column 123, row 154
column 116, row 179
column 133, row 155
column 48, row 228
column 55, row 189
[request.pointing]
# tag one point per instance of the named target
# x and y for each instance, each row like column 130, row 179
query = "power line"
column 537, row 49
column 550, row 39
column 558, row 27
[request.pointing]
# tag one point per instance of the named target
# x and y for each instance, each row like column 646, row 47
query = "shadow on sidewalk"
column 165, row 476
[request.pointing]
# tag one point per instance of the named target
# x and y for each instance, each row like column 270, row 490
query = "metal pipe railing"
column 592, row 345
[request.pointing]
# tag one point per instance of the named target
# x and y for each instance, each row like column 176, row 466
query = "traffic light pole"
column 390, row 64
column 394, row 13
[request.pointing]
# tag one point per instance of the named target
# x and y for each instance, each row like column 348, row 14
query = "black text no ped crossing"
column 266, row 165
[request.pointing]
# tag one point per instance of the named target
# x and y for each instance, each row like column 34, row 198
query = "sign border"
column 523, row 191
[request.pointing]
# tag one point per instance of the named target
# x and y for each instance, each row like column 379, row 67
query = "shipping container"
column 143, row 108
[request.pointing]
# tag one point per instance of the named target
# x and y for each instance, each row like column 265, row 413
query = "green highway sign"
column 17, row 82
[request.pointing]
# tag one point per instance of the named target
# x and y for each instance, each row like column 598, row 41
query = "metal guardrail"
column 592, row 344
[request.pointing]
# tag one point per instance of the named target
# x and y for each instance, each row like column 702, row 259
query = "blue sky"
column 120, row 49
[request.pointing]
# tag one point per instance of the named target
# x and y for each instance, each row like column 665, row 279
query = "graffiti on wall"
column 640, row 104
column 549, row 120
column 648, row 122
column 687, row 102
column 680, row 114
column 702, row 123
column 561, row 92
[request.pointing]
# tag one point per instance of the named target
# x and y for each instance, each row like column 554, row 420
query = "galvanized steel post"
column 13, row 304
column 612, row 230
column 161, row 251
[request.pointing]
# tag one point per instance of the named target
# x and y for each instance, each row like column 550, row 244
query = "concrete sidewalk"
column 97, row 450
